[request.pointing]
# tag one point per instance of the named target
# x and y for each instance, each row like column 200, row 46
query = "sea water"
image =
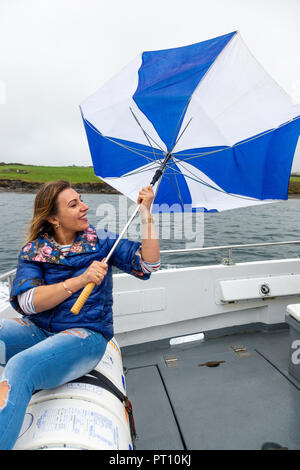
column 257, row 224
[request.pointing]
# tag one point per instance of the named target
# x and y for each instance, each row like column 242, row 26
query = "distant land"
column 28, row 178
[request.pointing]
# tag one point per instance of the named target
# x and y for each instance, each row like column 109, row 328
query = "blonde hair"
column 45, row 206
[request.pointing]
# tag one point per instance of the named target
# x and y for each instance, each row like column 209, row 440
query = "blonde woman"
column 48, row 345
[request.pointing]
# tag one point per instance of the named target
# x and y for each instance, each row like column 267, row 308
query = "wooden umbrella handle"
column 82, row 298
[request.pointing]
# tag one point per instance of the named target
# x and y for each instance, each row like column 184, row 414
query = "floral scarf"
column 43, row 249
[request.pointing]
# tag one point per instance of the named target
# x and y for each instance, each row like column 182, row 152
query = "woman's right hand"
column 95, row 273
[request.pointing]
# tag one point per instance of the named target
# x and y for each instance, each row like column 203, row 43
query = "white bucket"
column 79, row 415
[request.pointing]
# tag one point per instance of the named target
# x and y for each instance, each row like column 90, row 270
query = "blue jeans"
column 35, row 359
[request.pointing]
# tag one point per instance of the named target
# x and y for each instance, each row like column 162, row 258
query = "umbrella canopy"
column 228, row 130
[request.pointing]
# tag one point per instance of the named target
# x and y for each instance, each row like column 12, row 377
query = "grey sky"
column 55, row 53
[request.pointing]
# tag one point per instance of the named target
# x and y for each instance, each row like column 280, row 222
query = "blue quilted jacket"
column 41, row 263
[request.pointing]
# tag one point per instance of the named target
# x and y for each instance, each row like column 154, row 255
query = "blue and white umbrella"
column 205, row 122
column 224, row 129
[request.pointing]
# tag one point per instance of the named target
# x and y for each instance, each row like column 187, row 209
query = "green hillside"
column 42, row 174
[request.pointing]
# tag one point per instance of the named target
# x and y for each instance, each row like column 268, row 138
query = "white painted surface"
column 184, row 301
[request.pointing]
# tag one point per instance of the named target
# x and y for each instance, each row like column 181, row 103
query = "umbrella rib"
column 181, row 133
column 197, row 155
column 176, row 189
column 137, row 172
column 146, row 134
column 226, row 148
column 198, row 180
column 118, row 143
column 179, row 120
column 128, row 148
column 175, row 176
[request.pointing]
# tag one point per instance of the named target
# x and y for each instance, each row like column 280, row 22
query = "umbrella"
column 204, row 121
column 228, row 130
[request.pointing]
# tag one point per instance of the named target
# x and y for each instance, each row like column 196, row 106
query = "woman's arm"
column 47, row 297
column 150, row 242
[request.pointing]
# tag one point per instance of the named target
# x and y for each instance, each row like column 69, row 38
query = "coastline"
column 294, row 188
column 20, row 186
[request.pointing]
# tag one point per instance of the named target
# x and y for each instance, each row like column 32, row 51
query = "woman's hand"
column 95, row 273
column 47, row 297
column 146, row 198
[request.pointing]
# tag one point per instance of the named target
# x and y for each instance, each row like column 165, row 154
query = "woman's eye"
column 75, row 203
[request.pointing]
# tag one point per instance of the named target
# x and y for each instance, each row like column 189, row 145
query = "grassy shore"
column 29, row 178
column 42, row 174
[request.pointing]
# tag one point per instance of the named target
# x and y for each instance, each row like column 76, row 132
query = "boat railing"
column 9, row 276
column 229, row 260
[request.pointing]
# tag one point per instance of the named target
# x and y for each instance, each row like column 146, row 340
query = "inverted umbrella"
column 205, row 120
column 230, row 129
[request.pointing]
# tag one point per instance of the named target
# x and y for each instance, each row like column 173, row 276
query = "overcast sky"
column 55, row 53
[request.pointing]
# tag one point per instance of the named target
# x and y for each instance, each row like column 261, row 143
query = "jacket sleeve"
column 29, row 274
column 126, row 256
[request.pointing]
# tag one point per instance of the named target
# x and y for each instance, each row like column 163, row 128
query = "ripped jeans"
column 35, row 359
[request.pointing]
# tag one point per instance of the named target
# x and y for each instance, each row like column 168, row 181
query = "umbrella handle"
column 82, row 298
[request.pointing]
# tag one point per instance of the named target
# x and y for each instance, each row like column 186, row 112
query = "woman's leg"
column 56, row 360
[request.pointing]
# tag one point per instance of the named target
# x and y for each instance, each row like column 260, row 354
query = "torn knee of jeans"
column 22, row 321
column 4, row 392
column 80, row 332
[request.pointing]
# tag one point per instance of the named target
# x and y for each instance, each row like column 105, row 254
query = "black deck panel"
column 240, row 404
column 154, row 420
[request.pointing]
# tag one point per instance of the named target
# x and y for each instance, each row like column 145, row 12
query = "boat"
column 210, row 353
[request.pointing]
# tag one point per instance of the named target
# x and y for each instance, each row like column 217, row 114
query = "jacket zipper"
column 50, row 320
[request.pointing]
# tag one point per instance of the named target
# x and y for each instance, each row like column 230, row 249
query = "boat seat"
column 294, row 311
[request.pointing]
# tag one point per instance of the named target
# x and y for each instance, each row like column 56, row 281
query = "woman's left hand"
column 146, row 197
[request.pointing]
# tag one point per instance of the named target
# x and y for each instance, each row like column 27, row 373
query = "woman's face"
column 71, row 214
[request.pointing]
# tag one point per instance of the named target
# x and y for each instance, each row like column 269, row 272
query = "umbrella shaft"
column 160, row 170
column 131, row 218
column 121, row 234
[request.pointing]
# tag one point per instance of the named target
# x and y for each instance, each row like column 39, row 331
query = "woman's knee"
column 14, row 322
column 18, row 371
column 76, row 332
column 4, row 393
column 16, row 334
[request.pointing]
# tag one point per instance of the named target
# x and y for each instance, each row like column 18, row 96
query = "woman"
column 49, row 345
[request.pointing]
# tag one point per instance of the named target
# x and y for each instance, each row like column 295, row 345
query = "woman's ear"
column 54, row 221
